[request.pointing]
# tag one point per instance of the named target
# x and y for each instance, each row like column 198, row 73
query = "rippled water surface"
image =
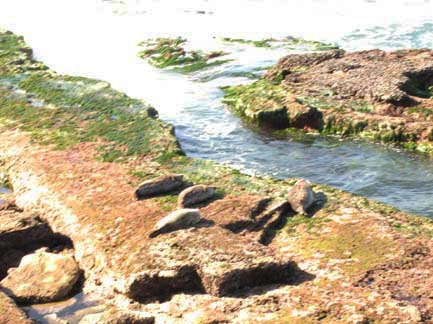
column 98, row 39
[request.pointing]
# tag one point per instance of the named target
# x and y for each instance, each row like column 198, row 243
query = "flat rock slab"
column 208, row 259
column 115, row 316
column 113, row 243
column 374, row 75
column 41, row 277
column 10, row 313
column 235, row 213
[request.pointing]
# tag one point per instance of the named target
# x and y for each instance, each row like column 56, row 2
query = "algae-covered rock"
column 41, row 277
column 170, row 53
column 160, row 185
column 374, row 95
column 195, row 194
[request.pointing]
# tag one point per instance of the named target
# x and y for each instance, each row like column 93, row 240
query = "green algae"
column 266, row 102
column 288, row 42
column 257, row 43
column 254, row 97
column 76, row 109
column 170, row 53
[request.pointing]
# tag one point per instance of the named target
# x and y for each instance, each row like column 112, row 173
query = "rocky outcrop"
column 249, row 260
column 209, row 259
column 18, row 229
column 41, row 277
column 10, row 313
column 22, row 233
column 376, row 95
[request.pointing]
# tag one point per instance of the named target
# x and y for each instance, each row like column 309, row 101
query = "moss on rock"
column 170, row 53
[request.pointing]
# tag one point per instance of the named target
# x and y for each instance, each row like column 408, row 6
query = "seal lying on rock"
column 159, row 185
column 301, row 197
column 179, row 219
column 195, row 194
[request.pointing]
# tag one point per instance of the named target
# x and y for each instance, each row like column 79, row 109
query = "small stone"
column 301, row 197
column 179, row 219
column 41, row 277
column 195, row 194
column 160, row 185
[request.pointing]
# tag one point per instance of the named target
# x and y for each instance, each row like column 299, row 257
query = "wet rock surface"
column 10, row 313
column 41, row 277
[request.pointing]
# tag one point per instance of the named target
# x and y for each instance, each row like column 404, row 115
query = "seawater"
column 97, row 39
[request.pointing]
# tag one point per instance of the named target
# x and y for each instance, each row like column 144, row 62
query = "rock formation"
column 375, row 95
column 41, row 277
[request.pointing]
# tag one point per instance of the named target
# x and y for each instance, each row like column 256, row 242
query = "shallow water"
column 71, row 310
column 97, row 39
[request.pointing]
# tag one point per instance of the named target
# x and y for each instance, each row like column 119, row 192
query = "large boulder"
column 41, row 277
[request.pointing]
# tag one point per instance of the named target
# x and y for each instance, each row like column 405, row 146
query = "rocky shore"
column 81, row 158
column 374, row 95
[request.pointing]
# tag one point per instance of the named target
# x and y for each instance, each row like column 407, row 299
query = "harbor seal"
column 179, row 219
column 301, row 197
column 159, row 185
column 195, row 194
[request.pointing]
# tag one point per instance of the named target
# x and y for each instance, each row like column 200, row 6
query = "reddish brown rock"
column 373, row 75
column 41, row 277
column 235, row 213
column 211, row 260
column 18, row 229
column 10, row 313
